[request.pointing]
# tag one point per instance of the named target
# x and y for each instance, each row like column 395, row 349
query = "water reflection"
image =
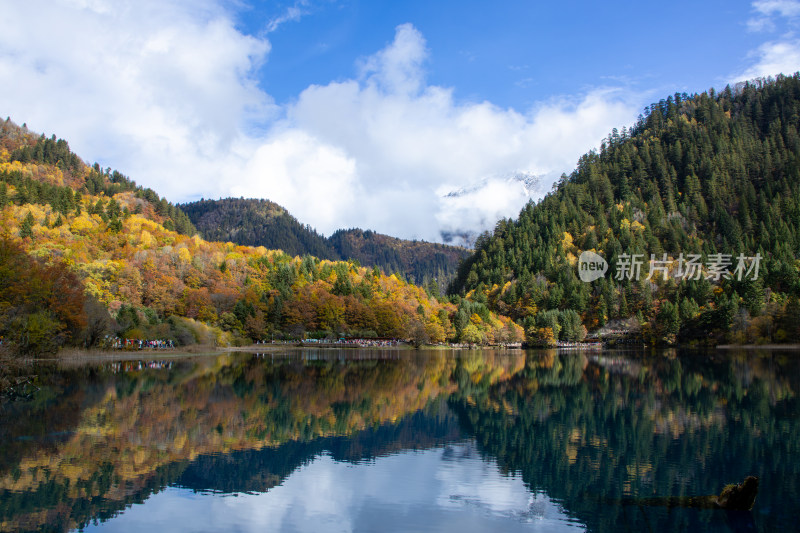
column 419, row 491
column 366, row 440
column 591, row 433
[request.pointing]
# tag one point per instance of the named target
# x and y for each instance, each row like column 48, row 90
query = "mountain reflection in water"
column 430, row 441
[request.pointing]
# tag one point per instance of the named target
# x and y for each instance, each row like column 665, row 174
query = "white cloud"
column 766, row 10
column 778, row 56
column 783, row 8
column 294, row 169
column 167, row 92
column 152, row 88
column 292, row 14
column 775, row 57
column 411, row 141
column 397, row 69
column 464, row 214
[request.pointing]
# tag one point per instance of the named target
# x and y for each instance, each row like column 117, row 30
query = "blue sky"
column 515, row 54
column 368, row 114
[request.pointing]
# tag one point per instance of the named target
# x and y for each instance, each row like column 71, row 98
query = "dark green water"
column 401, row 441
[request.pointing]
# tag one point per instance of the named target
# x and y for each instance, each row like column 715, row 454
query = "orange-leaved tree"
column 41, row 305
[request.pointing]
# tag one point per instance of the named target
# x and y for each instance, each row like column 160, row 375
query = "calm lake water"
column 313, row 440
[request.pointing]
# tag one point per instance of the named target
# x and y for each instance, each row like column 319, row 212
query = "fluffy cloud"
column 773, row 58
column 412, row 142
column 167, row 92
column 316, row 181
column 159, row 91
column 765, row 10
column 780, row 55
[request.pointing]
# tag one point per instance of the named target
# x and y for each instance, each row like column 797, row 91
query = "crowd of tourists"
column 361, row 343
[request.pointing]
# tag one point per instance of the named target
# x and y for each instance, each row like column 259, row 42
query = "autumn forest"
column 88, row 256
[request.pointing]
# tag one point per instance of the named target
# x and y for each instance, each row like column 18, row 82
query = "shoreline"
column 73, row 355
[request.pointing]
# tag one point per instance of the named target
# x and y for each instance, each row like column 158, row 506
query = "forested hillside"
column 430, row 264
column 253, row 222
column 43, row 170
column 86, row 256
column 709, row 184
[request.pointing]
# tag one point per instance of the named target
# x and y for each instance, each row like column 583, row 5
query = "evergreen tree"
column 26, row 227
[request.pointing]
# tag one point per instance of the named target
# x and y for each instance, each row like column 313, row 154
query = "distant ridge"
column 420, row 261
column 257, row 222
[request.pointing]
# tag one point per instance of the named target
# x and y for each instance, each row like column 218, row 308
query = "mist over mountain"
column 529, row 183
column 466, row 212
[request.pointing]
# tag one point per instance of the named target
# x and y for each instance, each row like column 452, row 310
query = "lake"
column 371, row 440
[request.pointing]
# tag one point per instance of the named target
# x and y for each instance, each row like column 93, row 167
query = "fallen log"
column 733, row 497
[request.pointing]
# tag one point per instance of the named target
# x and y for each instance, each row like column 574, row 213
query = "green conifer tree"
column 26, row 228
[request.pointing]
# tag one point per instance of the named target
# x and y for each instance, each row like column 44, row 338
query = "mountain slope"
column 704, row 174
column 420, row 261
column 255, row 222
column 44, row 170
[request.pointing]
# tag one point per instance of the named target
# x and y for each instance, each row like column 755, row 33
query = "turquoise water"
column 319, row 440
